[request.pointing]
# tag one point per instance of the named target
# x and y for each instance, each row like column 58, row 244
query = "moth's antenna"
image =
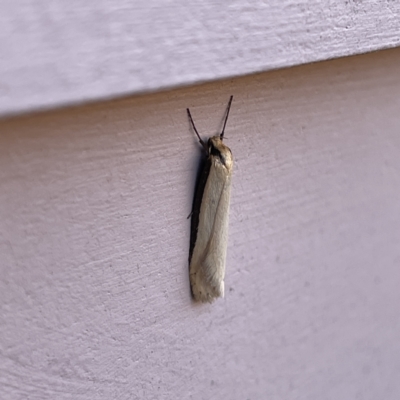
column 226, row 118
column 194, row 127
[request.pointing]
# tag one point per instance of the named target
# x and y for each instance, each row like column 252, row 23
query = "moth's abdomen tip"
column 207, row 293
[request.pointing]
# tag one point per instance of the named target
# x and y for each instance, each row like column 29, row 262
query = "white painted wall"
column 67, row 52
column 94, row 240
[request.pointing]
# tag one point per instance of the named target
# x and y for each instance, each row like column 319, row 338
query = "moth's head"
column 220, row 152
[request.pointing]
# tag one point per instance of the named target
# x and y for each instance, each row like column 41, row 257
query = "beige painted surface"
column 94, row 240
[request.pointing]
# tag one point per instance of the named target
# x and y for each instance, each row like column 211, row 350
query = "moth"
column 210, row 217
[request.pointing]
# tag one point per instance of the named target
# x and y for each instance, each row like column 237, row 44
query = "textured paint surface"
column 94, row 239
column 64, row 52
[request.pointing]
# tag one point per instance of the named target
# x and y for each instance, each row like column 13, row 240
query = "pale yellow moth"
column 210, row 216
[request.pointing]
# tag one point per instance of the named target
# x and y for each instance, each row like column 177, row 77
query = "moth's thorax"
column 221, row 153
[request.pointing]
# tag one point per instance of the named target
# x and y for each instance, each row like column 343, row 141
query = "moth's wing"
column 207, row 267
column 215, row 254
